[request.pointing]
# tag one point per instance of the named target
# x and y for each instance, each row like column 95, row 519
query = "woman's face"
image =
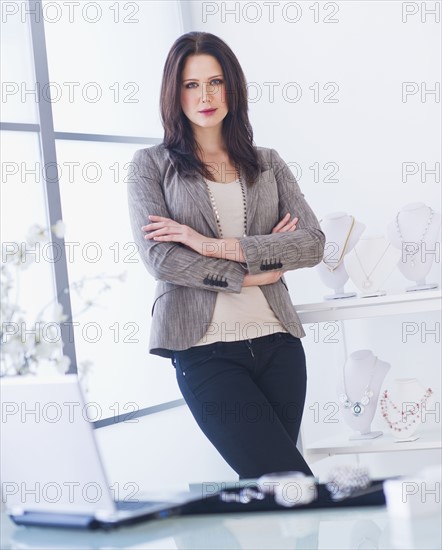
column 203, row 87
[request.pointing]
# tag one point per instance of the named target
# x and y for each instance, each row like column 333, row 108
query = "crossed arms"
column 178, row 254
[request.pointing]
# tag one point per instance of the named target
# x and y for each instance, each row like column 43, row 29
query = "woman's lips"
column 208, row 112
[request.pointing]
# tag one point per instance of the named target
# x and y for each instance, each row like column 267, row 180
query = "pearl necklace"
column 409, row 247
column 341, row 257
column 215, row 209
column 385, row 401
column 358, row 407
column 368, row 282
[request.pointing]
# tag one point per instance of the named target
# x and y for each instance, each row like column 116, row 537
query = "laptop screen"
column 49, row 458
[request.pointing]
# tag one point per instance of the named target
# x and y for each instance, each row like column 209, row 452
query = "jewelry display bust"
column 403, row 409
column 342, row 232
column 370, row 263
column 414, row 232
column 358, row 391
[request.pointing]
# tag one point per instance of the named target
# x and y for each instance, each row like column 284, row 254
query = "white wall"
column 161, row 451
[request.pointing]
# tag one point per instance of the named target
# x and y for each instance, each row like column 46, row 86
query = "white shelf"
column 342, row 445
column 357, row 308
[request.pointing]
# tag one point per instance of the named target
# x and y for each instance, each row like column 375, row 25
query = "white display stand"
column 342, row 233
column 370, row 264
column 358, row 391
column 414, row 233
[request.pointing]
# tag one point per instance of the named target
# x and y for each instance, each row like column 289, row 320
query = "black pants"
column 248, row 398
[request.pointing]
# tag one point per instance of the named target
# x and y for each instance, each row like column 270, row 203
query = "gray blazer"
column 187, row 282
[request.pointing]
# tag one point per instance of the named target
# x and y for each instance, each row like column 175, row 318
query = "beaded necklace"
column 385, row 402
column 215, row 209
column 409, row 247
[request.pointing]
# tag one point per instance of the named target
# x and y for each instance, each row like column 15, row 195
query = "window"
column 83, row 86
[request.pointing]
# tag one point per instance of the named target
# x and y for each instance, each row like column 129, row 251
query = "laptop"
column 51, row 470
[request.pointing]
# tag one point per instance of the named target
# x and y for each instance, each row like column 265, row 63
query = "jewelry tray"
column 373, row 495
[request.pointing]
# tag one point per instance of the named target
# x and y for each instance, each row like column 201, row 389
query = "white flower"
column 7, row 311
column 122, row 276
column 11, row 367
column 32, row 366
column 13, row 352
column 12, row 342
column 84, row 367
column 10, row 253
column 45, row 350
column 59, row 229
column 24, row 258
column 36, row 233
column 5, row 280
column 25, row 351
column 47, row 331
column 4, row 367
column 58, row 315
column 75, row 285
column 16, row 254
column 62, row 364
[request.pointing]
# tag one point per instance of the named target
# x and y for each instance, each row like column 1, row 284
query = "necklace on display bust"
column 367, row 283
column 413, row 248
column 341, row 257
column 385, row 402
column 358, row 407
column 215, row 209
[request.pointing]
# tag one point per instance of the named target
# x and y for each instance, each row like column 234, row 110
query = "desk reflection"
column 346, row 529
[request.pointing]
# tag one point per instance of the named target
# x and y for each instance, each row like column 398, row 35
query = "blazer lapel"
column 251, row 199
column 197, row 189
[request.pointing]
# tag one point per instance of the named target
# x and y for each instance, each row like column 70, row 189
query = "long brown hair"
column 236, row 130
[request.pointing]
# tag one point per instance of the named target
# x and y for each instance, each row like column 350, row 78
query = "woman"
column 218, row 221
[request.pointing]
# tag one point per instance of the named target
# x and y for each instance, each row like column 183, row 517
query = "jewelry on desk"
column 409, row 248
column 215, row 209
column 385, row 402
column 367, row 283
column 341, row 257
column 358, row 407
column 345, row 480
column 288, row 489
column 246, row 495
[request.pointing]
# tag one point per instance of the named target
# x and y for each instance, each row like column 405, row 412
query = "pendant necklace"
column 341, row 257
column 410, row 248
column 215, row 209
column 358, row 407
column 368, row 282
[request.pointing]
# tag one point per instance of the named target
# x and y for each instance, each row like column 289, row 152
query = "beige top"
column 247, row 314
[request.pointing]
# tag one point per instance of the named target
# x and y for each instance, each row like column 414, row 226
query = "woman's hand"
column 285, row 225
column 263, row 278
column 167, row 230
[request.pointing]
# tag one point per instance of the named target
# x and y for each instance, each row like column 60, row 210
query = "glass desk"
column 351, row 528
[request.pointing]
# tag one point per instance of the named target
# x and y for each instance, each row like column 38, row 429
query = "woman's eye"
column 214, row 80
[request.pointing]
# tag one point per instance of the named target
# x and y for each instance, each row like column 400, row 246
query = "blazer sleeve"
column 303, row 247
column 171, row 262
